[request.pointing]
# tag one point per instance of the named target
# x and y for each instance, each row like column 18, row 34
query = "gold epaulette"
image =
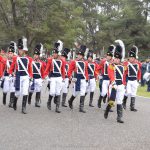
column 111, row 66
column 125, row 67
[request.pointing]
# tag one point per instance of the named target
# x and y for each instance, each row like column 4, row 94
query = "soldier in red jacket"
column 3, row 59
column 64, row 56
column 134, row 76
column 105, row 78
column 117, row 76
column 22, row 68
column 8, row 84
column 38, row 74
column 92, row 73
column 80, row 78
column 55, row 69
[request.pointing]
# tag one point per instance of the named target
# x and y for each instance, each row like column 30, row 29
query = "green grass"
column 142, row 91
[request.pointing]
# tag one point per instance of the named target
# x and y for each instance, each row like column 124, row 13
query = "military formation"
column 22, row 75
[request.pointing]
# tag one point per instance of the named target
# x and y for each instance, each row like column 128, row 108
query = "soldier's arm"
column 30, row 68
column 86, row 71
column 12, row 67
column 47, row 70
column 111, row 73
column 63, row 69
column 42, row 70
column 71, row 68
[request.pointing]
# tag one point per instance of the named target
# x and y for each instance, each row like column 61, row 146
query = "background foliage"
column 96, row 23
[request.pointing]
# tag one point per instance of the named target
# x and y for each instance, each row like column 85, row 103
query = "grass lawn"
column 142, row 91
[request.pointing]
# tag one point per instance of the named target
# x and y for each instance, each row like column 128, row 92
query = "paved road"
column 41, row 129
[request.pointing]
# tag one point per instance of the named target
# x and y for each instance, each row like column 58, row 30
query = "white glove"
column 100, row 77
column 74, row 79
column 10, row 76
column 0, row 81
column 114, row 84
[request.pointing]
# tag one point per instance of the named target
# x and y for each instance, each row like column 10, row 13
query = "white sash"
column 133, row 68
column 80, row 69
column 57, row 66
column 25, row 69
column 38, row 70
column 8, row 64
column 66, row 69
column 91, row 69
column 119, row 71
column 107, row 64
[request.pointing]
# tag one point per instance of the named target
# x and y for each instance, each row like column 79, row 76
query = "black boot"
column 57, row 104
column 107, row 111
column 15, row 103
column 49, row 102
column 104, row 98
column 70, row 101
column 29, row 98
column 64, row 95
column 12, row 94
column 37, row 99
column 55, row 99
column 99, row 101
column 119, row 113
column 4, row 98
column 82, row 104
column 91, row 99
column 24, row 102
column 132, row 104
column 124, row 102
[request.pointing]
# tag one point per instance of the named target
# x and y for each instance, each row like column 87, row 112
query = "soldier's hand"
column 74, row 79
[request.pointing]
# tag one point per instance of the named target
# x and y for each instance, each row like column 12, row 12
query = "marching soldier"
column 3, row 59
column 92, row 73
column 105, row 78
column 64, row 56
column 38, row 74
column 116, row 73
column 8, row 83
column 80, row 78
column 22, row 65
column 56, row 70
column 134, row 76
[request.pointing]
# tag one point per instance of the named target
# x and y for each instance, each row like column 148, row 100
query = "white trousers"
column 132, row 88
column 8, row 84
column 105, row 87
column 82, row 91
column 55, row 86
column 120, row 91
column 91, row 85
column 37, row 85
column 65, row 85
column 24, row 86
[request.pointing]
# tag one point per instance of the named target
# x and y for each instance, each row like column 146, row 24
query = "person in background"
column 148, row 70
column 143, row 70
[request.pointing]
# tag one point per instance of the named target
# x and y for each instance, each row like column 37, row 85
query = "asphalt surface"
column 42, row 129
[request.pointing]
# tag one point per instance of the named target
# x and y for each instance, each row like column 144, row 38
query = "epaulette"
column 111, row 66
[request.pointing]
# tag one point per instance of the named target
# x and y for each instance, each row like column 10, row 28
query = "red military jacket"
column 7, row 65
column 117, row 73
column 74, row 67
column 16, row 66
column 55, row 68
column 103, row 66
column 38, row 68
column 2, row 65
column 133, row 70
column 93, row 70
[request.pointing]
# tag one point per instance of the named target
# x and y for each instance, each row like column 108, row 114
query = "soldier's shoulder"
column 111, row 66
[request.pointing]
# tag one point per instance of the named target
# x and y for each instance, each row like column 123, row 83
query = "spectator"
column 143, row 70
column 148, row 70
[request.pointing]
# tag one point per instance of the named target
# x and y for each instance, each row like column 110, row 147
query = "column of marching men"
column 22, row 75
